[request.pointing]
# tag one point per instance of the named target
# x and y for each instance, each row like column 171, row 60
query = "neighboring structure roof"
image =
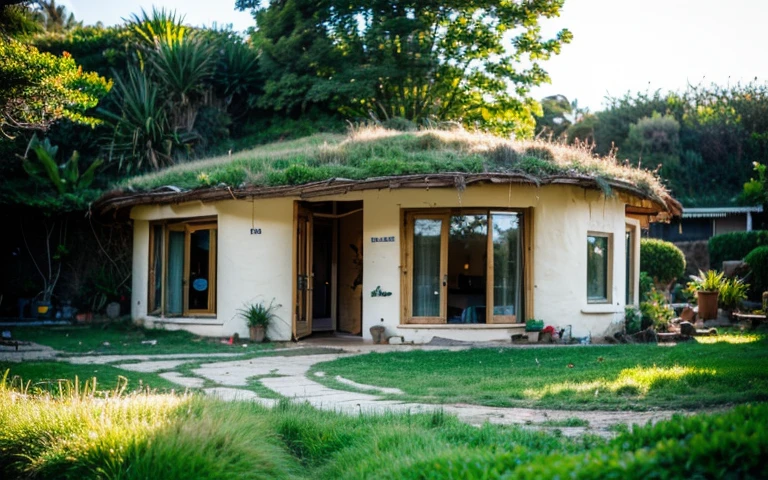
column 374, row 158
column 719, row 212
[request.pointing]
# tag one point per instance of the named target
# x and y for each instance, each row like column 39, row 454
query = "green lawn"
column 125, row 338
column 46, row 375
column 732, row 368
column 138, row 436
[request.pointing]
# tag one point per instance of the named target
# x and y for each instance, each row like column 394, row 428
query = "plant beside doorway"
column 258, row 317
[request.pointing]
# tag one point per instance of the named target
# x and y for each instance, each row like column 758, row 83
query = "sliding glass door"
column 463, row 267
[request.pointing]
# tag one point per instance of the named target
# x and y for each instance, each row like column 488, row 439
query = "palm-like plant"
column 142, row 131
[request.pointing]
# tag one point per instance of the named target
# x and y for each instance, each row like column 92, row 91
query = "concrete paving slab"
column 233, row 394
column 27, row 353
column 184, row 381
column 155, row 366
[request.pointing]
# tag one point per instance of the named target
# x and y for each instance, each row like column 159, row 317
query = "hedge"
column 662, row 260
column 757, row 260
column 734, row 246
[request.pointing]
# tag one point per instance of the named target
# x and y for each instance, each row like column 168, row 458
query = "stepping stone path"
column 288, row 377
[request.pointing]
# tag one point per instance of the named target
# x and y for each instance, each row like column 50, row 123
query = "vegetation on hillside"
column 704, row 140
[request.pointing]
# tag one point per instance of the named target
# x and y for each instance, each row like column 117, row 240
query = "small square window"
column 598, row 271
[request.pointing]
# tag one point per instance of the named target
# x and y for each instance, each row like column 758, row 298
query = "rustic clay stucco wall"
column 260, row 267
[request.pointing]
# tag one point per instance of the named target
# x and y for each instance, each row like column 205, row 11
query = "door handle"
column 445, row 280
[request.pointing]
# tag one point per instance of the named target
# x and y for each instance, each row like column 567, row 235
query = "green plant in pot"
column 533, row 327
column 707, row 287
column 258, row 317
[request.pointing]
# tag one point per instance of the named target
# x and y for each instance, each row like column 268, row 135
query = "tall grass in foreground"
column 78, row 434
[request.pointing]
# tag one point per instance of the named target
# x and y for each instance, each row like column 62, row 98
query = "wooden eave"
column 640, row 201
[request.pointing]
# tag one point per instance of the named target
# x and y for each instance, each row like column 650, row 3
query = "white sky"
column 618, row 45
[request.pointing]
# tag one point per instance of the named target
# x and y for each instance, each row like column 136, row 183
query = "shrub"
column 656, row 312
column 733, row 291
column 646, row 285
column 663, row 261
column 757, row 260
column 734, row 246
column 632, row 320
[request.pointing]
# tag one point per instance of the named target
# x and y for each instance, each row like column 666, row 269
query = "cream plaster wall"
column 260, row 267
column 250, row 268
column 561, row 220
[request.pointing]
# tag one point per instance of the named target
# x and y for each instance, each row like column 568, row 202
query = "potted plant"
column 258, row 316
column 707, row 288
column 532, row 328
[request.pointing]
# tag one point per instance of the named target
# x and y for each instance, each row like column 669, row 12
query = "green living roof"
column 373, row 158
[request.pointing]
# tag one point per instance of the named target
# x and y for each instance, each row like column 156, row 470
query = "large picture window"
column 598, row 267
column 463, row 266
column 182, row 268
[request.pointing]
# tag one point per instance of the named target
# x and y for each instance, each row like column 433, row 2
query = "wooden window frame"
column 406, row 251
column 633, row 227
column 608, row 270
column 188, row 226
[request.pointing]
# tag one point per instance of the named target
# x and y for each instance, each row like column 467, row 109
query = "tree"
column 655, row 142
column 54, row 17
column 556, row 117
column 419, row 60
column 40, row 88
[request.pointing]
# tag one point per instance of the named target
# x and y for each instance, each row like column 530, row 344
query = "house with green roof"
column 428, row 234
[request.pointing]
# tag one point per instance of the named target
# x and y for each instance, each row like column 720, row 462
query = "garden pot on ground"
column 707, row 304
column 533, row 337
column 377, row 332
column 256, row 333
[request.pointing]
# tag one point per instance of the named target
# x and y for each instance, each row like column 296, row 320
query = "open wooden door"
column 302, row 318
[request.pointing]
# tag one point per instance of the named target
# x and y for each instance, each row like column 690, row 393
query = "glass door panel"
column 427, row 267
column 199, row 269
column 507, row 266
column 467, row 268
column 175, row 286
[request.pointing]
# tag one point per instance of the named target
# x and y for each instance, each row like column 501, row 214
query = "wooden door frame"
column 306, row 328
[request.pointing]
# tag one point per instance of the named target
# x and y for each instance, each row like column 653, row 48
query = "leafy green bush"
column 757, row 260
column 662, row 260
column 655, row 311
column 632, row 320
column 733, row 291
column 646, row 285
column 734, row 246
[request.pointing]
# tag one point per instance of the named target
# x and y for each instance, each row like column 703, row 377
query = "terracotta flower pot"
column 257, row 333
column 707, row 304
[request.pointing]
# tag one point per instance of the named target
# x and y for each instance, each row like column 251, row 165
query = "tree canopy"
column 470, row 62
column 40, row 88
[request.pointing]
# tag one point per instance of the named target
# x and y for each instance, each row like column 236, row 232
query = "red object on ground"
column 231, row 340
column 549, row 329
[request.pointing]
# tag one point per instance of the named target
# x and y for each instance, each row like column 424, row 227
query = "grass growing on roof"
column 373, row 152
column 731, row 368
